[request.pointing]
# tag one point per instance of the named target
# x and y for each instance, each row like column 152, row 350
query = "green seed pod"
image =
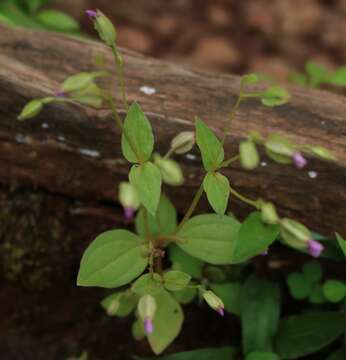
column 105, row 29
column 279, row 149
column 170, row 170
column 249, row 157
column 269, row 214
column 128, row 196
column 183, row 142
column 323, row 153
column 146, row 307
column 214, row 301
column 31, row 109
column 294, row 233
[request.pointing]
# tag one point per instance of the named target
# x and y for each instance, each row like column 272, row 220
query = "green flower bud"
column 183, row 142
column 105, row 29
column 214, row 301
column 250, row 79
column 323, row 153
column 31, row 109
column 138, row 330
column 146, row 307
column 294, row 233
column 279, row 149
column 113, row 307
column 269, row 214
column 81, row 81
column 275, row 96
column 170, row 170
column 249, row 158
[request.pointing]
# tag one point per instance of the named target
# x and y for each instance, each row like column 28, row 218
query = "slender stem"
column 169, row 153
column 120, row 71
column 230, row 161
column 244, row 198
column 192, row 207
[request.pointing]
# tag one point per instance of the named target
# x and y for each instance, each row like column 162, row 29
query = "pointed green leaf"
column 334, row 290
column 167, row 322
column 184, row 262
column 217, row 189
column 163, row 223
column 229, row 293
column 146, row 179
column 341, row 242
column 175, row 280
column 300, row 335
column 147, row 284
column 138, row 144
column 260, row 313
column 57, row 20
column 339, row 77
column 254, row 237
column 185, row 296
column 210, row 146
column 210, row 238
column 113, row 259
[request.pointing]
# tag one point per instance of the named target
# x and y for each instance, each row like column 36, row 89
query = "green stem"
column 192, row 207
column 244, row 198
column 120, row 71
column 169, row 153
column 230, row 161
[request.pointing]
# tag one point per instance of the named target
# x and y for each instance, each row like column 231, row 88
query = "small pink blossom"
column 148, row 326
column 315, row 248
column 299, row 160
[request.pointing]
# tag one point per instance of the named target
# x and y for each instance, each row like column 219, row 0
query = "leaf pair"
column 137, row 146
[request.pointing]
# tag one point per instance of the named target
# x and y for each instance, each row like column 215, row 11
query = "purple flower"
column 314, row 248
column 148, row 326
column 221, row 311
column 61, row 94
column 129, row 213
column 299, row 160
column 92, row 14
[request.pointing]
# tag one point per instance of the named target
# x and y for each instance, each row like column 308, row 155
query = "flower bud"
column 294, row 233
column 323, row 153
column 314, row 248
column 214, row 301
column 299, row 160
column 103, row 26
column 170, row 170
column 249, row 158
column 128, row 198
column 183, row 142
column 146, row 309
column 279, row 149
column 269, row 214
column 80, row 82
column 31, row 109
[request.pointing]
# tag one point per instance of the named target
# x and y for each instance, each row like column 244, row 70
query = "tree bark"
column 75, row 151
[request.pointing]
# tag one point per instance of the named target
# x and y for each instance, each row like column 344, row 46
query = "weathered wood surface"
column 75, row 151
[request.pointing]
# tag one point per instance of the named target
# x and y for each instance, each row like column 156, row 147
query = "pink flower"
column 129, row 213
column 315, row 248
column 299, row 160
column 148, row 326
column 92, row 14
column 221, row 311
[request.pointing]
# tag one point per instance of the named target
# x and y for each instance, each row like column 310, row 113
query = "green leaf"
column 262, row 356
column 341, row 242
column 211, row 148
column 313, row 271
column 334, row 290
column 31, row 109
column 147, row 284
column 167, row 322
column 316, row 296
column 113, row 259
column 170, row 170
column 299, row 285
column 250, row 79
column 279, row 149
column 185, row 262
column 254, row 237
column 186, row 295
column 230, row 295
column 210, row 238
column 176, row 280
column 275, row 96
column 146, row 179
column 90, row 96
column 163, row 223
column 300, row 335
column 120, row 303
column 318, row 73
column 81, row 83
column 338, row 78
column 57, row 20
column 138, row 144
column 217, row 189
column 220, row 353
column 260, row 313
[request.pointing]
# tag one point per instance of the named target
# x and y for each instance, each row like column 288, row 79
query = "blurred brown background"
column 275, row 37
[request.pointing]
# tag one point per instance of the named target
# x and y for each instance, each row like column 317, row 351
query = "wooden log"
column 76, row 151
